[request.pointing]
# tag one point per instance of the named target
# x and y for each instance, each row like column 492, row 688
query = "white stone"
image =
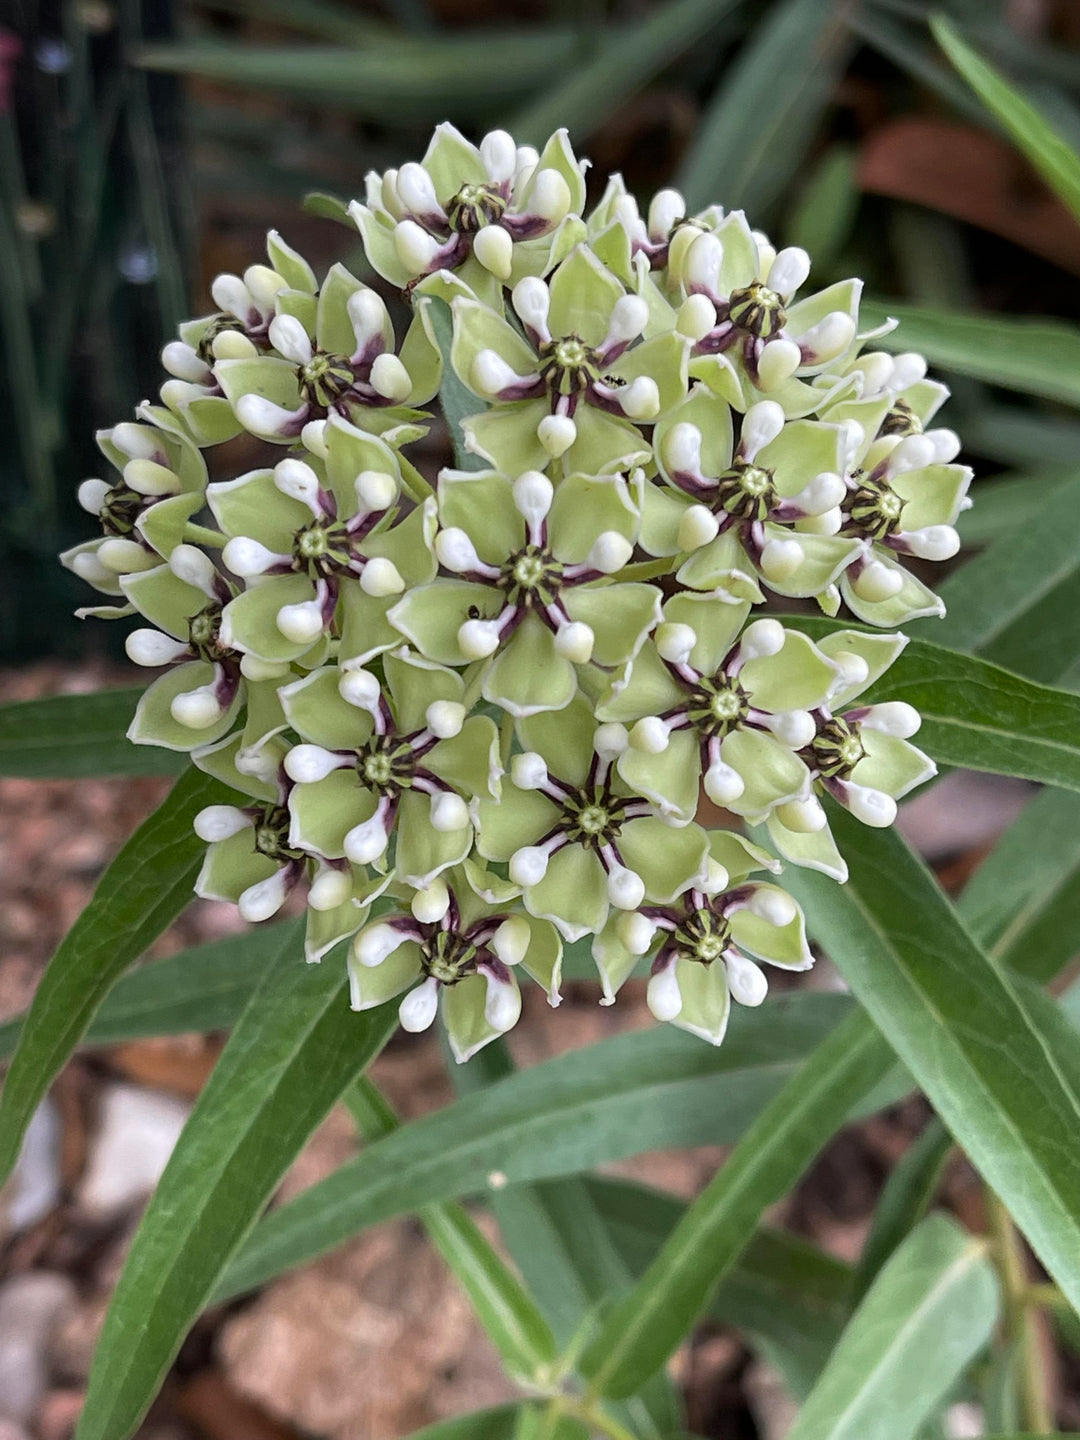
column 136, row 1134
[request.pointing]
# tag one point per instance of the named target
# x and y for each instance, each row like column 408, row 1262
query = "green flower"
column 239, row 330
column 399, row 760
column 577, row 839
column 533, row 561
column 462, row 939
column 738, row 507
column 859, row 754
column 706, row 701
column 574, row 383
column 330, row 355
column 143, row 513
column 749, row 337
column 251, row 860
column 491, row 213
column 300, row 533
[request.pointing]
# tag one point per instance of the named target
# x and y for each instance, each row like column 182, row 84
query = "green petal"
column 612, row 959
column 164, row 600
column 867, row 414
column 878, row 651
column 541, row 255
column 911, row 602
column 324, row 811
column 649, row 690
column 803, row 449
column 319, row 715
column 374, row 985
column 463, row 1015
column 153, row 724
column 378, row 241
column 720, row 565
column 604, row 443
column 573, row 893
column 264, row 718
column 162, row 525
column 583, row 294
column 671, row 779
column 771, row 772
column 804, row 314
column 452, row 161
column 739, row 857
column 825, row 557
column 210, row 417
column 926, row 398
column 219, row 760
column 108, row 584
column 565, row 740
column 520, row 818
column 414, row 684
column 783, row 945
column 661, row 515
column 669, row 860
column 933, row 494
column 273, row 378
column 891, row 764
column 621, row 618
column 712, row 416
column 408, row 543
column 664, row 359
column 814, row 851
column 290, row 264
column 477, row 327
column 584, row 507
column 481, row 502
column 505, row 436
column 231, row 866
column 528, row 674
column 558, row 155
column 470, row 761
column 706, row 1002
column 543, row 959
column 798, row 677
column 490, row 890
column 253, row 505
column 740, row 263
column 422, row 851
column 333, row 328
column 716, row 619
column 431, row 616
column 350, row 450
column 249, row 622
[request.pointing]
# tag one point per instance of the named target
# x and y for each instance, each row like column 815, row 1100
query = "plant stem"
column 1035, row 1407
column 645, row 570
column 202, row 535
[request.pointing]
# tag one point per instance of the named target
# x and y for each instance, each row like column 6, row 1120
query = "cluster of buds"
column 472, row 720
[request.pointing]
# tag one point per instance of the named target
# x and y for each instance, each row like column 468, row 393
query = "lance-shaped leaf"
column 70, row 736
column 928, row 1313
column 995, row 1073
column 620, row 1097
column 498, row 1423
column 140, row 895
column 647, row 1325
column 293, row 1052
column 904, row 1200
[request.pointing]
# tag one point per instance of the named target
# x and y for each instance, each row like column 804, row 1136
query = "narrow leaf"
column 498, row 1423
column 67, row 737
column 620, row 1097
column 653, row 1319
column 926, row 1316
column 905, row 1199
column 626, row 62
column 986, row 1064
column 1053, row 157
column 293, row 1052
column 140, row 895
column 1035, row 356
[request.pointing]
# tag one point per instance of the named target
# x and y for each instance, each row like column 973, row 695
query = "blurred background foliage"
column 146, row 145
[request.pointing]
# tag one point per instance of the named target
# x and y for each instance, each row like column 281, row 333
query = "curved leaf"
column 140, row 895
column 71, row 736
column 293, row 1052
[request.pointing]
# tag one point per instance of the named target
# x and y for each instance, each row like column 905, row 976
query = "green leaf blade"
column 72, row 737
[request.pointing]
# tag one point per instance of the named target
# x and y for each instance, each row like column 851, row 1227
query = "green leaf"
column 620, row 1097
column 984, row 1060
column 647, row 1325
column 755, row 133
column 498, row 1423
column 978, row 715
column 906, row 47
column 1053, row 157
column 504, row 1307
column 418, row 80
column 1018, row 603
column 203, row 988
column 293, row 1052
column 1023, row 902
column 328, row 207
column 905, row 1199
column 792, row 1298
column 67, row 737
column 825, row 213
column 928, row 1313
column 1006, row 503
column 628, row 59
column 140, row 895
column 1035, row 356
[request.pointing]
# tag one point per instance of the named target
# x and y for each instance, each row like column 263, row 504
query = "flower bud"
column 946, row 445
column 529, row 771
column 449, row 813
column 528, row 866
column 626, row 890
column 418, row 1010
column 152, row 647
column 556, row 434
column 365, row 842
column 697, row 527
column 329, row 889
column 550, row 197
column 301, row 623
column 511, row 940
column 431, row 904
column 307, row 764
column 892, row 717
column 533, row 494
column 663, row 996
column 445, row 718
column 650, row 735
column 908, row 369
column 264, row 899
column 610, row 551
column 220, row 822
column 93, row 495
column 494, row 248
column 746, row 981
column 666, row 209
column 231, row 295
column 574, row 642
column 779, row 361
column 789, row 271
column 675, row 642
column 478, row 638
column 381, row 577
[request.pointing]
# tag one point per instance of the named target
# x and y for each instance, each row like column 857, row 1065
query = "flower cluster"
column 492, row 703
